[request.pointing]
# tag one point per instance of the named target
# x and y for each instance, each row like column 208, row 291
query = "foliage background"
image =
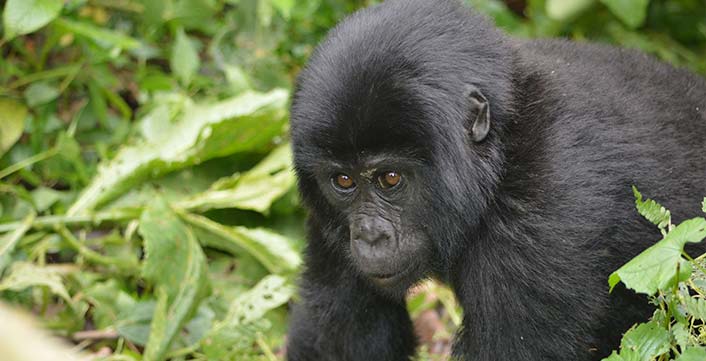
column 145, row 183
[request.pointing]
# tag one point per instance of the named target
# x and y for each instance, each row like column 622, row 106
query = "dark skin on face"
column 427, row 143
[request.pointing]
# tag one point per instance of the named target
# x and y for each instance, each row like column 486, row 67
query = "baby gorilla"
column 429, row 144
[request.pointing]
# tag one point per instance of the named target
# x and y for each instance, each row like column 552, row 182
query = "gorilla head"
column 395, row 140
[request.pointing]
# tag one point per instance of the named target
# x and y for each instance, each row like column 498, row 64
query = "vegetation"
column 145, row 181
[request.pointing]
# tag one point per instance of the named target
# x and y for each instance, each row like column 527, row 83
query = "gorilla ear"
column 478, row 114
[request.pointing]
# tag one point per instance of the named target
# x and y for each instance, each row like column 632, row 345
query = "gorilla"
column 428, row 144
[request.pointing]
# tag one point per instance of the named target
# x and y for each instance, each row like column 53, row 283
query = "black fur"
column 525, row 224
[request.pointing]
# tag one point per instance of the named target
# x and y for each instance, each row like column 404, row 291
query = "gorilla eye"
column 389, row 180
column 343, row 181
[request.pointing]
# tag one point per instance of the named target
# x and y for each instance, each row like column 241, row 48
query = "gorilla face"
column 379, row 167
column 378, row 199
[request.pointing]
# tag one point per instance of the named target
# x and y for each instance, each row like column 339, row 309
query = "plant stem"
column 95, row 219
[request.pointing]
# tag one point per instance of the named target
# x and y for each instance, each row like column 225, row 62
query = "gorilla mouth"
column 386, row 279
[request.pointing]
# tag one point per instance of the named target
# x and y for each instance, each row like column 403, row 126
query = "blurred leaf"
column 12, row 123
column 254, row 190
column 692, row 354
column 9, row 241
column 563, row 10
column 40, row 93
column 175, row 263
column 630, row 12
column 44, row 197
column 184, row 60
column 274, row 251
column 227, row 335
column 284, row 7
column 246, row 122
column 25, row 16
column 655, row 268
column 703, row 205
column 134, row 322
column 23, row 275
column 102, row 36
column 22, row 339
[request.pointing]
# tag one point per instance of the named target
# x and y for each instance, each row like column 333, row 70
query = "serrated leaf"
column 23, row 275
column 651, row 210
column 631, row 12
column 656, row 267
column 244, row 123
column 649, row 340
column 254, row 190
column 274, row 251
column 696, row 307
column 184, row 60
column 563, row 10
column 25, row 16
column 692, row 354
column 175, row 263
column 12, row 123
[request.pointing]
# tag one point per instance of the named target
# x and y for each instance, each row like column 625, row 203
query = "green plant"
column 675, row 283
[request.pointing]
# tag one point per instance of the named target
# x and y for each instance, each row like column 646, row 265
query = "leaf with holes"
column 176, row 265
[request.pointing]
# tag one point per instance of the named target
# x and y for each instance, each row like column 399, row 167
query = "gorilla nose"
column 371, row 237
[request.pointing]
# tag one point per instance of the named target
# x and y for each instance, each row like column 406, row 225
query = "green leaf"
column 254, row 190
column 40, row 93
column 25, row 16
column 226, row 336
column 9, row 241
column 651, row 210
column 696, row 307
column 243, row 123
column 101, row 36
column 24, row 275
column 649, row 340
column 175, row 263
column 134, row 323
column 185, row 60
column 274, row 251
column 692, row 354
column 284, row 7
column 655, row 268
column 563, row 10
column 703, row 205
column 12, row 123
column 630, row 12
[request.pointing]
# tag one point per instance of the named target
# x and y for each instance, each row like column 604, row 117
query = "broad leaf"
column 649, row 340
column 274, row 251
column 243, row 123
column 630, row 12
column 25, row 16
column 176, row 265
column 254, row 190
column 656, row 267
column 12, row 123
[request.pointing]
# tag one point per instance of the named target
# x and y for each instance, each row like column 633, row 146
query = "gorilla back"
column 429, row 144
